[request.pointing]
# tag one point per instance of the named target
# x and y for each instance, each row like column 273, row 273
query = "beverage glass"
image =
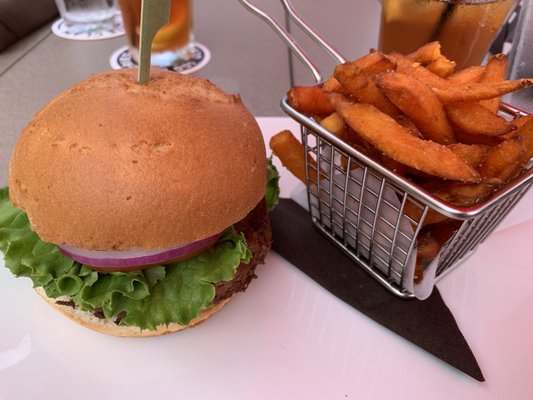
column 465, row 28
column 173, row 41
column 87, row 15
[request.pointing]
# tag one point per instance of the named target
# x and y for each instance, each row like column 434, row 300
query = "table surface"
column 248, row 58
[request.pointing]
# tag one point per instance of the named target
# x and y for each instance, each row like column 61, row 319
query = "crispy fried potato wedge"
column 292, row 154
column 504, row 161
column 471, row 154
column 310, row 100
column 475, row 119
column 465, row 76
column 384, row 133
column 495, row 71
column 362, row 87
column 479, row 91
column 419, row 103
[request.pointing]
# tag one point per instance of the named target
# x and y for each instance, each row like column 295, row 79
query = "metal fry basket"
column 361, row 206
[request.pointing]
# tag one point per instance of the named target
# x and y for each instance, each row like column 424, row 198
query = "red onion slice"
column 127, row 260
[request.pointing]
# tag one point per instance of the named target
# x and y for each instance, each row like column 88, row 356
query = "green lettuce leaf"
column 272, row 189
column 173, row 293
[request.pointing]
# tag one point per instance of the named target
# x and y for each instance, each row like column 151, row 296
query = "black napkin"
column 429, row 324
column 19, row 18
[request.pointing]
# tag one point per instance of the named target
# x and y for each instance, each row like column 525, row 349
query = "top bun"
column 113, row 165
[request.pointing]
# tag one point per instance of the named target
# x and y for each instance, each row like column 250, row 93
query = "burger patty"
column 256, row 229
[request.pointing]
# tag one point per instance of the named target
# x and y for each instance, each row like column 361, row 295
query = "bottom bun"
column 108, row 326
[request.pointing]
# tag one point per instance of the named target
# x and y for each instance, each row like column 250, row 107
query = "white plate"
column 285, row 338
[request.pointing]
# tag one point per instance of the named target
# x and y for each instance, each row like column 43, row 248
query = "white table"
column 285, row 338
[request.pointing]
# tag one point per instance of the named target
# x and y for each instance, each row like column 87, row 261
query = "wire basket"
column 361, row 206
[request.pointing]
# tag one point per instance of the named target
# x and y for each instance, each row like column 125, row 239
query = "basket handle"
column 304, row 26
column 288, row 39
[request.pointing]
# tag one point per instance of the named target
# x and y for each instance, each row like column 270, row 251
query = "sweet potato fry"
column 310, row 100
column 479, row 91
column 374, row 63
column 495, row 71
column 417, row 71
column 333, row 123
column 419, row 103
column 429, row 242
column 415, row 213
column 406, row 122
column 471, row 154
column 462, row 194
column 503, row 161
column 475, row 119
column 465, row 76
column 392, row 139
column 362, row 87
column 332, row 85
column 292, row 154
column 426, row 53
column 521, row 121
column 467, row 138
column 442, row 67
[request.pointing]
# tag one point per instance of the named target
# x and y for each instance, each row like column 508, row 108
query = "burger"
column 138, row 210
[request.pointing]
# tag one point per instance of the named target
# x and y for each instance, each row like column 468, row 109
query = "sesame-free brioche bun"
column 113, row 165
column 109, row 327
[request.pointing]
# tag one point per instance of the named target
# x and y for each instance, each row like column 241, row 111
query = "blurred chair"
column 19, row 18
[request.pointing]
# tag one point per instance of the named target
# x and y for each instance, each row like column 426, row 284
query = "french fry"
column 374, row 63
column 332, row 85
column 429, row 242
column 465, row 76
column 521, row 121
column 479, row 91
column 476, row 119
column 495, row 71
column 471, row 154
column 292, row 154
column 361, row 86
column 426, row 54
column 333, row 123
column 408, row 124
column 442, row 67
column 468, row 138
column 384, row 133
column 462, row 194
column 419, row 103
column 504, row 161
column 415, row 213
column 417, row 71
column 310, row 100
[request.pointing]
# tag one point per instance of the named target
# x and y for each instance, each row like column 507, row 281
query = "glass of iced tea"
column 172, row 43
column 465, row 28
